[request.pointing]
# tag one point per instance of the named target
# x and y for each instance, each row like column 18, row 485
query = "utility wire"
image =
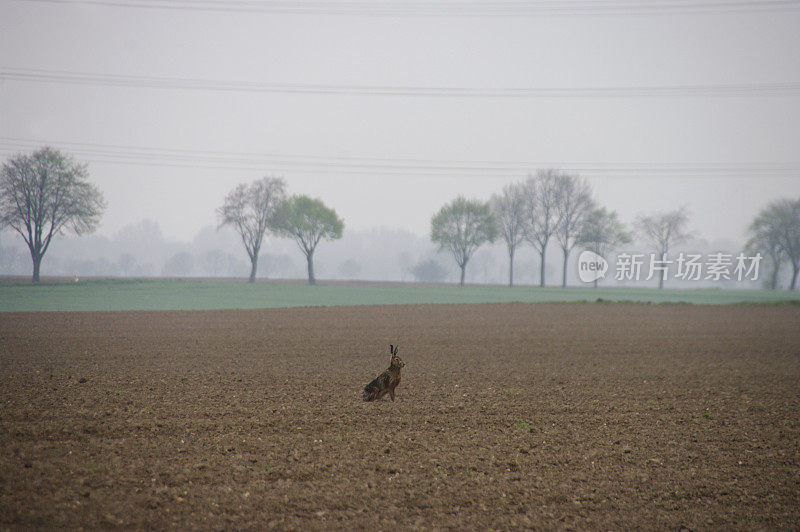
column 531, row 8
column 271, row 162
column 85, row 78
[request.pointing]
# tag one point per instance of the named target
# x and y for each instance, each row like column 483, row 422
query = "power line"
column 153, row 82
column 505, row 8
column 272, row 162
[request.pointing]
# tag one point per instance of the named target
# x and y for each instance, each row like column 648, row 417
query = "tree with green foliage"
column 308, row 221
column 602, row 232
column 251, row 210
column 461, row 227
column 43, row 194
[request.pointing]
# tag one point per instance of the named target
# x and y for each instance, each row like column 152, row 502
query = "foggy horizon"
column 386, row 115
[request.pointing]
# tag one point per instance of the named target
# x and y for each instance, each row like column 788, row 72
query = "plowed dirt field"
column 602, row 416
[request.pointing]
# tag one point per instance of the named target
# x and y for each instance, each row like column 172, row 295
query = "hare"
column 386, row 381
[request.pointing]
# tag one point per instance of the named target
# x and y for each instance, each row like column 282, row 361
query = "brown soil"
column 552, row 415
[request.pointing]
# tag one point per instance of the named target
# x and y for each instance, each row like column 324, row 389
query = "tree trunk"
column 37, row 262
column 511, row 267
column 541, row 267
column 463, row 273
column 595, row 283
column 253, row 269
column 310, row 260
column 773, row 282
column 794, row 277
column 663, row 272
column 564, row 269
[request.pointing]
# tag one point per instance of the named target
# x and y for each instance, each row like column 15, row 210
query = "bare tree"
column 789, row 213
column 662, row 230
column 574, row 205
column 765, row 238
column 43, row 194
column 776, row 232
column 601, row 232
column 251, row 210
column 461, row 227
column 509, row 213
column 308, row 221
column 541, row 201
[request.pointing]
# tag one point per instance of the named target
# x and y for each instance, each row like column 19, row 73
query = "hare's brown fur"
column 387, row 381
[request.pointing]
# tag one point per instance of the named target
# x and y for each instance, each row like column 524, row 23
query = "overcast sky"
column 183, row 104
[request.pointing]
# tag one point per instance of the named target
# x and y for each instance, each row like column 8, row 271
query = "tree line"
column 775, row 232
column 548, row 206
column 262, row 206
column 554, row 206
column 46, row 193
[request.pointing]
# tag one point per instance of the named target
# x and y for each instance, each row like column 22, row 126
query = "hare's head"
column 396, row 361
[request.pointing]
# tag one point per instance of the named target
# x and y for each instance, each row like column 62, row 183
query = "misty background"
column 389, row 111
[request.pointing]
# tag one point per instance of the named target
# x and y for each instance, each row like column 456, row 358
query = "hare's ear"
column 395, row 351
